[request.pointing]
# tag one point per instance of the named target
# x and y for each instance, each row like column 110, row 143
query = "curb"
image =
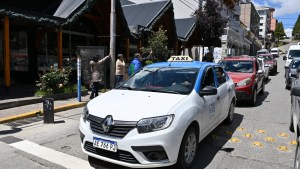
column 34, row 113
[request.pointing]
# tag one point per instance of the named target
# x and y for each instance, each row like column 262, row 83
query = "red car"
column 247, row 74
column 271, row 61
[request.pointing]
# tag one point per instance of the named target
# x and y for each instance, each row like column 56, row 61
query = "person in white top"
column 120, row 68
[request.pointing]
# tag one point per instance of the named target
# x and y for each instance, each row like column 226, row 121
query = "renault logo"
column 107, row 124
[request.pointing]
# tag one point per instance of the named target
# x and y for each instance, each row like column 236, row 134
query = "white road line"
column 51, row 155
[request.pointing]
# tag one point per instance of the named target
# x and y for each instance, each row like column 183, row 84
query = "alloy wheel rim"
column 190, row 148
column 254, row 96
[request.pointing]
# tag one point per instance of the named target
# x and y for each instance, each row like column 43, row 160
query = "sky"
column 286, row 11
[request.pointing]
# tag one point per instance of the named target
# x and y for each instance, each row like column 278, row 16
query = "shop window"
column 18, row 51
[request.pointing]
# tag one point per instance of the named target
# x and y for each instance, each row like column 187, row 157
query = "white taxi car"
column 159, row 115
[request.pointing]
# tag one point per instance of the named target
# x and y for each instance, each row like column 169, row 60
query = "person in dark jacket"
column 208, row 57
column 135, row 64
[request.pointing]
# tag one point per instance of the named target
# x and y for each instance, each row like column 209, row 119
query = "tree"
column 157, row 45
column 296, row 29
column 279, row 31
column 211, row 23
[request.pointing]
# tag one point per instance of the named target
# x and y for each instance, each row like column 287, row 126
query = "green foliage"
column 279, row 31
column 296, row 29
column 210, row 23
column 54, row 81
column 158, row 44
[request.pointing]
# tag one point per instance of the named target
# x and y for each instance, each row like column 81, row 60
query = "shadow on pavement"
column 11, row 131
column 259, row 101
column 207, row 148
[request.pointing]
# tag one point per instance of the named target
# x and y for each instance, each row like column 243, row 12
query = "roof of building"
column 185, row 28
column 145, row 14
column 126, row 2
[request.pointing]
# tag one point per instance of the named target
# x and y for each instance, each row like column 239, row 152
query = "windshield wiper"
column 162, row 91
column 128, row 88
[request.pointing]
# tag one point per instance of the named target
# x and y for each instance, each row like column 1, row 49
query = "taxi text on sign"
column 180, row 59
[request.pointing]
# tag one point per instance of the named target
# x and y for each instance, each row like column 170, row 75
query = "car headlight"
column 85, row 114
column 154, row 124
column 244, row 82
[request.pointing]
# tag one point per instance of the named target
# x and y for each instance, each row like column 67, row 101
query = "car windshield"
column 237, row 66
column 294, row 53
column 295, row 64
column 163, row 79
column 262, row 52
column 267, row 57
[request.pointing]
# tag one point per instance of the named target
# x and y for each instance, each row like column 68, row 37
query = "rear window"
column 274, row 51
column 237, row 66
column 262, row 52
column 294, row 53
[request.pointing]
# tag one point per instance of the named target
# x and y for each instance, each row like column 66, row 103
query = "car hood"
column 128, row 105
column 237, row 77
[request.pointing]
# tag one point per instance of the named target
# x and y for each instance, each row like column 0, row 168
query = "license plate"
column 105, row 144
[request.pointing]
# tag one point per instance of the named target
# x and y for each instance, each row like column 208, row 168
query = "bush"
column 54, row 81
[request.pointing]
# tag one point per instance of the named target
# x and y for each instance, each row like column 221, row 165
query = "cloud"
column 282, row 7
column 288, row 32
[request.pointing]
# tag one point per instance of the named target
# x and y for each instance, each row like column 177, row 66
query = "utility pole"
column 112, row 50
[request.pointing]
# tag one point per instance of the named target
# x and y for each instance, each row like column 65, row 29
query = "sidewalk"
column 31, row 110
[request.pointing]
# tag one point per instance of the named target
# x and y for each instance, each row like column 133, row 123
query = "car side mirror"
column 259, row 71
column 286, row 67
column 208, row 90
column 284, row 57
column 295, row 91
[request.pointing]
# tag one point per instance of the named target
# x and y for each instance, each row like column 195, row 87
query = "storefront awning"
column 67, row 7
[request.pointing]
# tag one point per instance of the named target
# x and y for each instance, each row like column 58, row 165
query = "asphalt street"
column 259, row 138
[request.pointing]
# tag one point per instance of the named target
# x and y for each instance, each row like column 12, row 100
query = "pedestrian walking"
column 135, row 64
column 120, row 68
column 208, row 57
column 96, row 66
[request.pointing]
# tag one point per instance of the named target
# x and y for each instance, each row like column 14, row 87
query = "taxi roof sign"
column 180, row 59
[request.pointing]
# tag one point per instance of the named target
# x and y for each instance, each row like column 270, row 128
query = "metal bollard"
column 48, row 108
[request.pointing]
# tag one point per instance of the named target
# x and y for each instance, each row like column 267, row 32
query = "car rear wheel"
column 291, row 125
column 230, row 115
column 297, row 156
column 253, row 99
column 188, row 149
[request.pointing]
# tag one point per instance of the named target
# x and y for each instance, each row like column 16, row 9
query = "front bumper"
column 243, row 93
column 130, row 147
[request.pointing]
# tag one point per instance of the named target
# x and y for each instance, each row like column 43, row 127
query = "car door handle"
column 229, row 90
column 218, row 98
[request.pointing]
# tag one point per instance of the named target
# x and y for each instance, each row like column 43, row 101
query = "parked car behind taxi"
column 247, row 74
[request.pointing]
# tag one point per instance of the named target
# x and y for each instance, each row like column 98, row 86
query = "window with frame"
column 221, row 75
column 208, row 78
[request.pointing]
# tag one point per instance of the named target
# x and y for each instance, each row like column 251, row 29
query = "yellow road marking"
column 283, row 148
column 270, row 139
column 258, row 144
column 248, row 135
column 235, row 140
column 282, row 134
column 293, row 142
column 261, row 131
column 229, row 132
column 241, row 128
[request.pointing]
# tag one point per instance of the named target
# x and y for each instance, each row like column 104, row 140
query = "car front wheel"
column 297, row 156
column 230, row 115
column 188, row 149
column 253, row 99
